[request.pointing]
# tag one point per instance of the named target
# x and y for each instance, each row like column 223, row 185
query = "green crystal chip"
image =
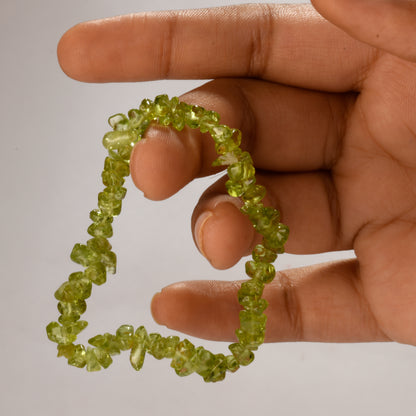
column 181, row 361
column 242, row 354
column 79, row 357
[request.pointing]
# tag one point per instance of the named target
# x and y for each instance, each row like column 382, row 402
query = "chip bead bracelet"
column 98, row 259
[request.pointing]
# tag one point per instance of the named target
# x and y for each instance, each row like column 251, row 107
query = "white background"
column 51, row 158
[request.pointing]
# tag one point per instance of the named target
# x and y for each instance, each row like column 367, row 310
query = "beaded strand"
column 98, row 259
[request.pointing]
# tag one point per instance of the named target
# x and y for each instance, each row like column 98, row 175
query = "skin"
column 326, row 104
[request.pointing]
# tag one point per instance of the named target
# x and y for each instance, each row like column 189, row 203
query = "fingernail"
column 199, row 230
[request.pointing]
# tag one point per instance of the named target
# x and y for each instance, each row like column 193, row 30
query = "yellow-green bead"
column 108, row 205
column 119, row 139
column 92, row 361
column 103, row 357
column 241, row 353
column 263, row 254
column 79, row 357
column 58, row 333
column 71, row 311
column 118, row 122
column 66, row 351
column 181, row 361
column 252, row 322
column 137, row 356
column 265, row 272
column 252, row 340
column 96, row 273
column 125, row 336
column 120, row 167
column 83, row 255
column 107, row 342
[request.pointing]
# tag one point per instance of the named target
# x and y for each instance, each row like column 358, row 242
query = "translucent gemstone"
column 66, row 351
column 241, row 353
column 178, row 121
column 171, row 344
column 76, row 327
column 232, row 363
column 226, row 139
column 71, row 311
column 121, row 167
column 257, row 306
column 78, row 358
column 102, row 224
column 155, row 346
column 277, row 238
column 263, row 254
column 99, row 217
column 181, row 361
column 99, row 245
column 161, row 105
column 226, row 159
column 116, row 192
column 251, row 340
column 59, row 334
column 218, row 371
column 141, row 334
column 221, row 133
column 265, row 272
column 103, row 357
column 242, row 169
column 119, row 122
column 112, row 178
column 119, row 139
column 237, row 189
column 264, row 219
column 125, row 336
column 203, row 361
column 92, row 361
column 252, row 322
column 108, row 205
column 109, row 259
column 254, row 194
column 192, row 116
column 208, row 121
column 78, row 287
column 146, row 106
column 250, row 292
column 137, row 356
column 83, row 255
column 100, row 230
column 107, row 342
column 124, row 152
column 96, row 273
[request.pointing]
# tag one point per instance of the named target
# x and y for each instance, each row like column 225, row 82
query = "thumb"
column 388, row 25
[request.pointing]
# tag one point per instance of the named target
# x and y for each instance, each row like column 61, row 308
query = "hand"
column 328, row 112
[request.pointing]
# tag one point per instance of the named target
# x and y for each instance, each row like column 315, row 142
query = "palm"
column 375, row 178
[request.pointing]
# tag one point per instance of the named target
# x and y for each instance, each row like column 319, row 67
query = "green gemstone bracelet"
column 97, row 258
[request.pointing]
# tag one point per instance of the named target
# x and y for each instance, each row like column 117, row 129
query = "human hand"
column 329, row 118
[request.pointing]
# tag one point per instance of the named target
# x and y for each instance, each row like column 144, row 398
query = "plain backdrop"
column 51, row 158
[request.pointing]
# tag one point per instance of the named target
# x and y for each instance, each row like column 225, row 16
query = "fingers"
column 308, row 203
column 386, row 24
column 321, row 303
column 287, row 44
column 284, row 128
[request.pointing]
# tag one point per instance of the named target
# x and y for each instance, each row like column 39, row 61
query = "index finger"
column 281, row 43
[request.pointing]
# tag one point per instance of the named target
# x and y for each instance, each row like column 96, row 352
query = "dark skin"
column 327, row 109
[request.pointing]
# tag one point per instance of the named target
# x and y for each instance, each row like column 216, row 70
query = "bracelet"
column 98, row 259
